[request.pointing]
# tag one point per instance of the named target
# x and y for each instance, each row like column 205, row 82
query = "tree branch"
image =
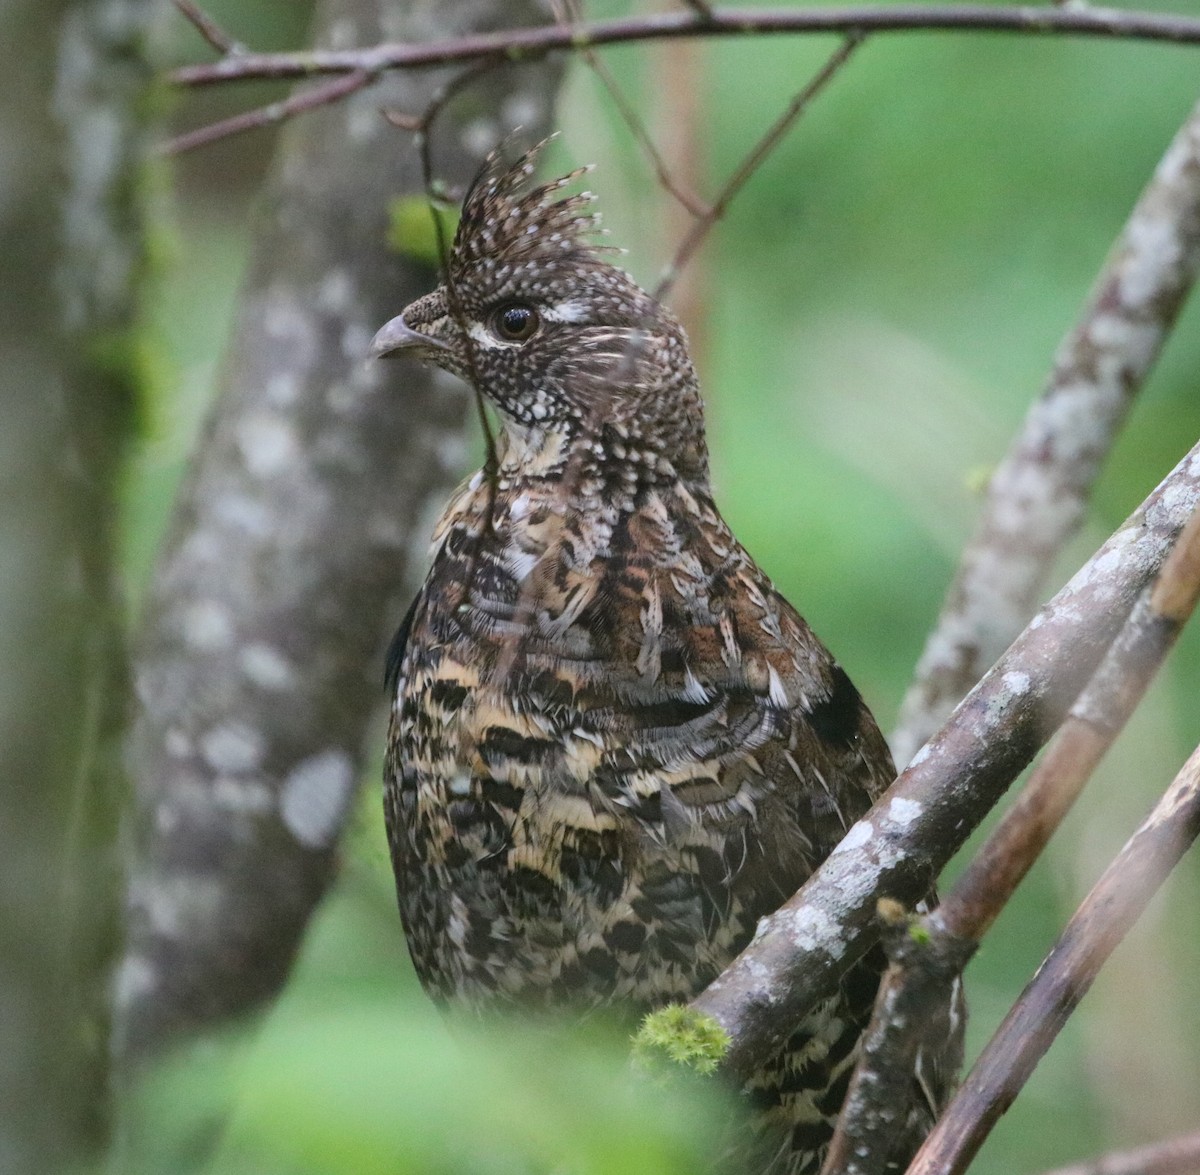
column 928, row 953
column 524, row 44
column 803, row 949
column 1038, row 495
column 208, row 28
column 74, row 114
column 342, row 86
column 1100, row 923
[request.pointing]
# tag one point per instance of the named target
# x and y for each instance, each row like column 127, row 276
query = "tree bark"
column 288, row 563
column 71, row 235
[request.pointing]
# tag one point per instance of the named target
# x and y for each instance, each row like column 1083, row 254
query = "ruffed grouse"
column 614, row 746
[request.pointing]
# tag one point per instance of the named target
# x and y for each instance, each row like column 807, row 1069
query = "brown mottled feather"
column 614, row 745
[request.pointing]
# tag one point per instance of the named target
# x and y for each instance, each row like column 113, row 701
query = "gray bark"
column 287, row 566
column 71, row 239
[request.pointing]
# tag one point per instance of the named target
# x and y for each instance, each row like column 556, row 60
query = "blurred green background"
column 880, row 305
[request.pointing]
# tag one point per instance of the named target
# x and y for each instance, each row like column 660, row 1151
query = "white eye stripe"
column 569, row 311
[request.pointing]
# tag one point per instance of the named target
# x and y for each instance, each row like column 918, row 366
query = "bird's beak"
column 396, row 337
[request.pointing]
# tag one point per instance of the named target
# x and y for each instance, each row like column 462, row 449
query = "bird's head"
column 575, row 356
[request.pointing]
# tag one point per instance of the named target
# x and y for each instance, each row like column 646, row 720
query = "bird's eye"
column 516, row 321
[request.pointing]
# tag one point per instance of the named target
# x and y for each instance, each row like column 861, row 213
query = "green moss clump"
column 682, row 1036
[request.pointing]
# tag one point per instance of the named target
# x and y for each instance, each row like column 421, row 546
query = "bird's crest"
column 505, row 222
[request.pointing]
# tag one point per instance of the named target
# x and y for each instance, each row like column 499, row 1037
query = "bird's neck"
column 609, row 463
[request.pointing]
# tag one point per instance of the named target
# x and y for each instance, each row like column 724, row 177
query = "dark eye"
column 516, row 321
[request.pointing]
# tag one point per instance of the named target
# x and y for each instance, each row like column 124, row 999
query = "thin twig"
column 632, row 119
column 527, row 44
column 804, row 948
column 208, row 28
column 433, row 192
column 1038, row 496
column 695, row 236
column 318, row 95
column 915, row 987
column 1097, row 927
column 1096, row 718
column 1175, row 1156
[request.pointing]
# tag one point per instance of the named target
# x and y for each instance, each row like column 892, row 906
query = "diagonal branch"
column 927, row 953
column 208, row 28
column 341, row 86
column 863, row 19
column 804, row 948
column 1038, row 495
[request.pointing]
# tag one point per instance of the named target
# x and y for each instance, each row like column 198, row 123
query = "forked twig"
column 804, row 948
column 1100, row 923
column 632, row 119
column 753, row 160
column 929, row 952
column 208, row 28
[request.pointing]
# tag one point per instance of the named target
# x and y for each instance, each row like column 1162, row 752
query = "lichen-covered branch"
column 1038, row 495
column 73, row 239
column 896, row 850
column 259, row 663
column 928, row 957
column 1100, row 923
column 921, row 971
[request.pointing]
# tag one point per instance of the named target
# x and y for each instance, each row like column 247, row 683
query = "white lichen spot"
column 1134, row 343
column 268, row 444
column 241, row 795
column 243, row 513
column 335, row 292
column 812, row 929
column 282, row 319
column 858, row 836
column 1015, row 682
column 283, row 388
column 1154, row 250
column 207, row 626
column 232, row 748
column 521, row 110
column 902, row 812
column 134, row 979
column 342, row 395
column 1178, row 500
column 920, row 756
column 356, row 341
column 479, row 136
column 316, row 796
column 177, row 743
column 266, row 666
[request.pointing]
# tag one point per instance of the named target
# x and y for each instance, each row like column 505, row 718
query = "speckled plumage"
column 614, row 745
